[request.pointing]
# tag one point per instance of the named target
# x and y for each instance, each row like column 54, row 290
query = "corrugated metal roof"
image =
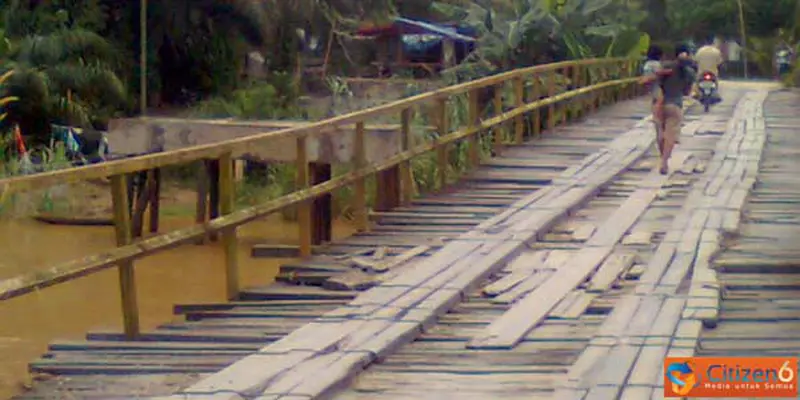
column 436, row 29
column 407, row 26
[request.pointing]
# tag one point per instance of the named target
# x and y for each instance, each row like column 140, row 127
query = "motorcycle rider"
column 783, row 60
column 708, row 59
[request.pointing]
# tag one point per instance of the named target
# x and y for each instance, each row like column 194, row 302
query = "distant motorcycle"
column 708, row 88
column 783, row 60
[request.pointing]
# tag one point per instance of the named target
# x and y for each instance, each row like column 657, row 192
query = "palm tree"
column 65, row 77
column 5, row 100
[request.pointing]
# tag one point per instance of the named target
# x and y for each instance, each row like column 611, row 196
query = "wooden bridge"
column 560, row 265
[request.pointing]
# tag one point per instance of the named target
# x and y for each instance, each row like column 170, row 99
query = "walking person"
column 651, row 73
column 676, row 80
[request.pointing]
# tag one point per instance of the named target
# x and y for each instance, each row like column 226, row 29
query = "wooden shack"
column 406, row 44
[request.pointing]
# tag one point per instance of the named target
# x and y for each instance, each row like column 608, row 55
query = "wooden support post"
column 201, row 211
column 141, row 197
column 473, row 140
column 127, row 278
column 603, row 92
column 442, row 163
column 361, row 217
column 551, row 91
column 154, row 178
column 499, row 130
column 130, row 193
column 406, row 173
column 304, row 208
column 576, row 83
column 536, row 91
column 592, row 75
column 519, row 101
column 566, row 72
column 227, row 202
column 387, row 186
column 631, row 74
column 322, row 210
column 213, row 193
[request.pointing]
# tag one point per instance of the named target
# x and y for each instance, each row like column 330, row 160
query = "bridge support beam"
column 143, row 192
column 322, row 208
column 387, row 188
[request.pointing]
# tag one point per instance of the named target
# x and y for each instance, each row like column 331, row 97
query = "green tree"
column 515, row 33
column 65, row 77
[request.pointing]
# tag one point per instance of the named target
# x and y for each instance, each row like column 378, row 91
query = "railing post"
column 631, row 74
column 604, row 93
column 473, row 140
column 304, row 208
column 406, row 174
column 576, row 79
column 127, row 276
column 361, row 217
column 227, row 200
column 551, row 91
column 593, row 96
column 565, row 105
column 519, row 101
column 499, row 130
column 537, row 113
column 322, row 206
column 388, row 189
column 201, row 211
column 442, row 162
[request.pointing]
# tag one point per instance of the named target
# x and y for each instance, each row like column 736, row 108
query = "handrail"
column 127, row 250
column 215, row 150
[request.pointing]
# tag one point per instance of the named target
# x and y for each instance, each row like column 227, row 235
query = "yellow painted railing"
column 532, row 103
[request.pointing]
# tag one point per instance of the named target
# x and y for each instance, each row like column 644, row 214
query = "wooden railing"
column 534, row 103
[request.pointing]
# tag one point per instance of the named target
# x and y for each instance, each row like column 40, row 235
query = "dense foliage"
column 77, row 61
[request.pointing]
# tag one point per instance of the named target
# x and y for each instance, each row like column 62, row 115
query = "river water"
column 183, row 275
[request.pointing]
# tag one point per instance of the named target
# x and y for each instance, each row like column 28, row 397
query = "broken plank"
column 609, row 271
column 573, row 306
column 401, row 259
column 522, row 267
column 530, row 281
column 511, row 327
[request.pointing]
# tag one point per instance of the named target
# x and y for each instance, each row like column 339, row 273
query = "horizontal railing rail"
column 533, row 104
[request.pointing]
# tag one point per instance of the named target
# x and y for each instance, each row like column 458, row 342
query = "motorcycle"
column 783, row 60
column 707, row 88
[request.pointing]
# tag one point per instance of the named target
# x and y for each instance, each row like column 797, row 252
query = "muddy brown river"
column 66, row 311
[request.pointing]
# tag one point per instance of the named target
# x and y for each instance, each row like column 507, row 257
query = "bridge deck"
column 760, row 313
column 604, row 280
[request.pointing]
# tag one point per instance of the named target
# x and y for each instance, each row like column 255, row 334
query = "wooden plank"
column 609, row 271
column 638, row 238
column 531, row 281
column 583, row 232
column 579, row 302
column 401, row 259
column 507, row 330
column 614, row 364
column 432, row 287
column 523, row 267
column 527, row 261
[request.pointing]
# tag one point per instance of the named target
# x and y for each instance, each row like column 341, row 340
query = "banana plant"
column 5, row 100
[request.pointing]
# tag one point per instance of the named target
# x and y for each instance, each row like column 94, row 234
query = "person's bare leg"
column 672, row 126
